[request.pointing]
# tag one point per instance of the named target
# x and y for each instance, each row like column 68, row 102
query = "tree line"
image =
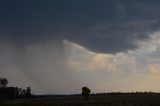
column 7, row 93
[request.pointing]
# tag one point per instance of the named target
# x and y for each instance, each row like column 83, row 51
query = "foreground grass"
column 93, row 101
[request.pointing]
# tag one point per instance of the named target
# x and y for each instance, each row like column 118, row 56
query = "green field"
column 107, row 100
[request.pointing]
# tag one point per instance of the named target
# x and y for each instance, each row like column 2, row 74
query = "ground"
column 105, row 100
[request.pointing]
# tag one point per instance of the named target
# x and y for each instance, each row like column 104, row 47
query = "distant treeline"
column 128, row 93
column 7, row 93
column 14, row 92
column 105, row 94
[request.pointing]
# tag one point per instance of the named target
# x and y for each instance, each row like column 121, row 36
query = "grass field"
column 107, row 100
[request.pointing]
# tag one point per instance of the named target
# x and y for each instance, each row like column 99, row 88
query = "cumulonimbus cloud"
column 100, row 26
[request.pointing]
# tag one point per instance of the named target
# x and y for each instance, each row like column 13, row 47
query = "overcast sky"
column 59, row 46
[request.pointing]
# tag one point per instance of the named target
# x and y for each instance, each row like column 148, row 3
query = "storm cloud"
column 102, row 26
column 58, row 46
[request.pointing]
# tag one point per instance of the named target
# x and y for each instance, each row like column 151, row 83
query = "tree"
column 28, row 92
column 86, row 92
column 3, row 82
column 23, row 93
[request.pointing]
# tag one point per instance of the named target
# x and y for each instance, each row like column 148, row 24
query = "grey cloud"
column 32, row 34
column 117, row 23
column 111, row 27
column 43, row 66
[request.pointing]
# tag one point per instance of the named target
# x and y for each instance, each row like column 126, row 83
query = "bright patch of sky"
column 135, row 70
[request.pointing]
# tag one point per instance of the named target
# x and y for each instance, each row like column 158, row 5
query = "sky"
column 59, row 46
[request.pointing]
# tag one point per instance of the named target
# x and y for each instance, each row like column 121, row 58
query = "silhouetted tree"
column 20, row 91
column 86, row 92
column 17, row 93
column 23, row 93
column 8, row 93
column 3, row 82
column 28, row 92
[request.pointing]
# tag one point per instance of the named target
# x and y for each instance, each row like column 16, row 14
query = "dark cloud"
column 102, row 26
column 31, row 34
